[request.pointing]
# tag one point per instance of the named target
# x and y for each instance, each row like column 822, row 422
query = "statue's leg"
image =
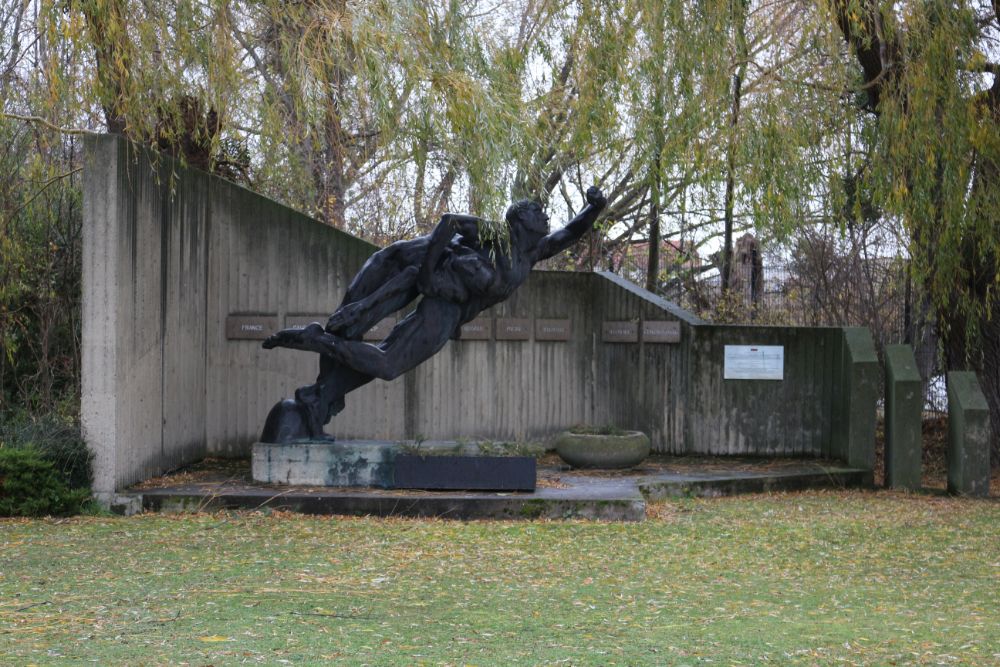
column 334, row 382
column 382, row 266
column 353, row 319
column 414, row 340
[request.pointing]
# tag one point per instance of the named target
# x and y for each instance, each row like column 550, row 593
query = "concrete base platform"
column 391, row 465
column 561, row 493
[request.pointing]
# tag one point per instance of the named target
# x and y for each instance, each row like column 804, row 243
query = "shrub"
column 58, row 441
column 31, row 486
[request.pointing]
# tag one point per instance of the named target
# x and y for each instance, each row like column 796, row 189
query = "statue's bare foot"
column 296, row 339
column 345, row 317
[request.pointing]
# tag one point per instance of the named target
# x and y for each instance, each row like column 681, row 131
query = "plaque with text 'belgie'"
column 661, row 332
column 552, row 330
column 513, row 329
column 250, row 327
column 377, row 332
column 301, row 321
column 480, row 328
column 381, row 330
column 620, row 332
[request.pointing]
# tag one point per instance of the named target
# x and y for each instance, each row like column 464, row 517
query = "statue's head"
column 527, row 221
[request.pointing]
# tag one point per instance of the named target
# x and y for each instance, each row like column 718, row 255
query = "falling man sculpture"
column 457, row 273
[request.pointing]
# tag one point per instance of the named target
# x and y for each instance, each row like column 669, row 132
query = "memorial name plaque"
column 377, row 332
column 300, row 321
column 620, row 332
column 754, row 362
column 250, row 327
column 381, row 330
column 514, row 329
column 661, row 332
column 480, row 328
column 552, row 329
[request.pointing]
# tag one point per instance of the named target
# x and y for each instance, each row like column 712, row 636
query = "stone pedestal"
column 396, row 465
column 903, row 409
column 325, row 463
column 968, row 436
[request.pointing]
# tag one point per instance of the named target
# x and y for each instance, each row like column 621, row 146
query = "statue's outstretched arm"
column 563, row 238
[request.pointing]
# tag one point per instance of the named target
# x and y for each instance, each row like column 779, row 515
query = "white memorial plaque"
column 754, row 362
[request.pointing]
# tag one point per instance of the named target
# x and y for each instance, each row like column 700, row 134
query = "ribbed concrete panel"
column 140, row 361
column 268, row 259
column 789, row 417
column 512, row 389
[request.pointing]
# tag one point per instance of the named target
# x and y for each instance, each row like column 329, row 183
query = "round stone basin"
column 595, row 450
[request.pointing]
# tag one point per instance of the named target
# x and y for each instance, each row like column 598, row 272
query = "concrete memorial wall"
column 185, row 273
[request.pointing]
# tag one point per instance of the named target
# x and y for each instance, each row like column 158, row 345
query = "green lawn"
column 817, row 578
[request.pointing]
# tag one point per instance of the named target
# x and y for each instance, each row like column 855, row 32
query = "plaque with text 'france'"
column 661, row 332
column 513, row 329
column 620, row 332
column 480, row 328
column 754, row 362
column 250, row 327
column 552, row 330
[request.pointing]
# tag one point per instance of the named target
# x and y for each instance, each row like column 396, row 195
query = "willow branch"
column 38, row 120
column 45, row 186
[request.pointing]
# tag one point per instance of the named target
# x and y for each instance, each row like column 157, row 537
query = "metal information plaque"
column 620, row 332
column 480, row 328
column 661, row 332
column 552, row 330
column 754, row 362
column 514, row 329
column 250, row 327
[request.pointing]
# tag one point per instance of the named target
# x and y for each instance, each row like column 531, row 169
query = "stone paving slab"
column 561, row 494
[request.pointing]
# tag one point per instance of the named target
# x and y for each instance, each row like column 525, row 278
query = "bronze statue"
column 457, row 272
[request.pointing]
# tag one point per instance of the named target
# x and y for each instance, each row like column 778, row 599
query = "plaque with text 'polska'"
column 480, row 328
column 514, row 329
column 620, row 332
column 654, row 331
column 558, row 330
column 250, row 327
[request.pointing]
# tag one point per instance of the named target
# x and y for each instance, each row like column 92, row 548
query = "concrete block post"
column 101, row 294
column 903, row 409
column 968, row 436
column 860, row 385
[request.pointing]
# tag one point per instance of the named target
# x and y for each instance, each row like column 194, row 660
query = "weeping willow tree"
column 926, row 76
column 728, row 120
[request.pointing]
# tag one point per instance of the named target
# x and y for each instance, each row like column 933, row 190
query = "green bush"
column 31, row 486
column 57, row 441
column 45, row 467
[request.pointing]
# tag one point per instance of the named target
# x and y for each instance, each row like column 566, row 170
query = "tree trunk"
column 653, row 256
column 739, row 22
